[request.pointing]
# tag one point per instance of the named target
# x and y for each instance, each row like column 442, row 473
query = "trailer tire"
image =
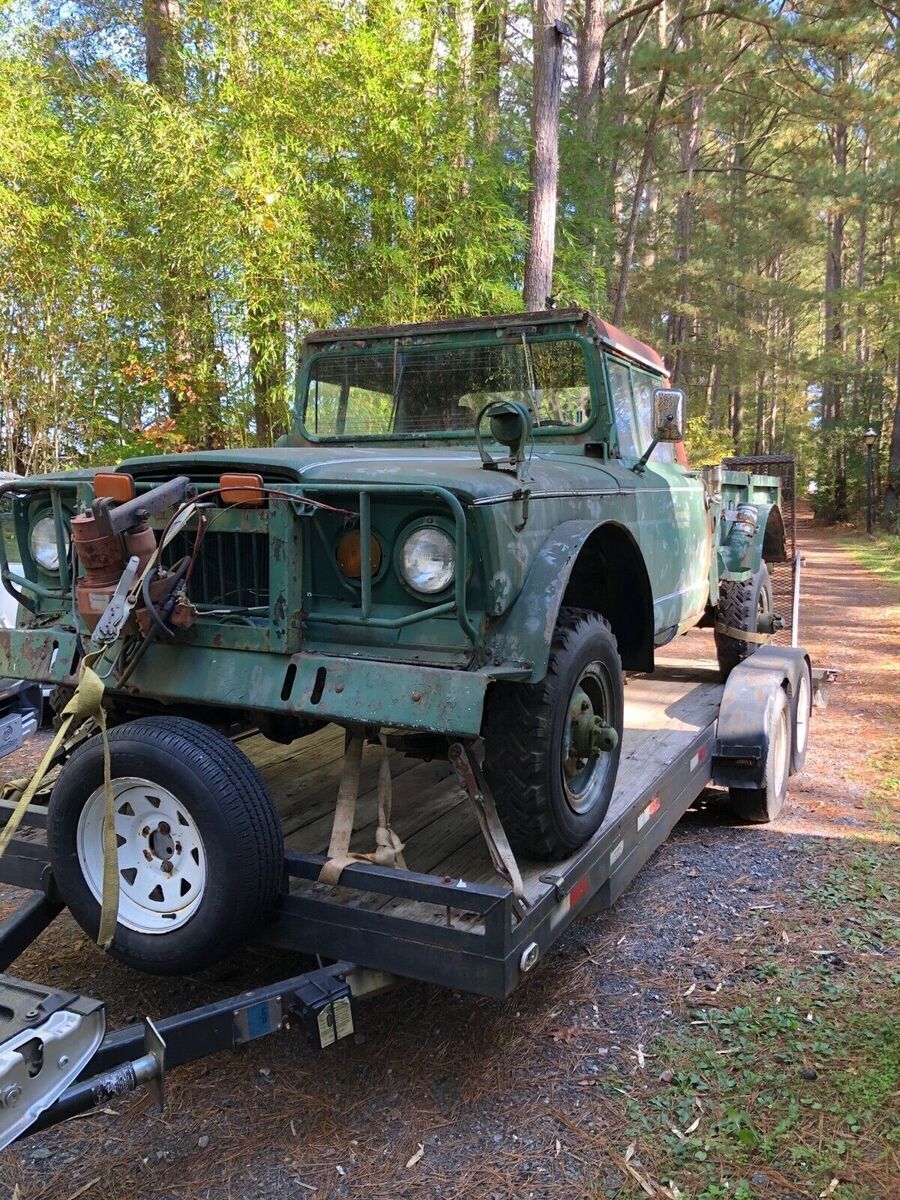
column 764, row 804
column 549, row 805
column 198, row 831
column 801, row 714
column 741, row 604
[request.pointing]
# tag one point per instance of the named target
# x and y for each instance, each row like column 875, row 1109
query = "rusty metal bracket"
column 468, row 772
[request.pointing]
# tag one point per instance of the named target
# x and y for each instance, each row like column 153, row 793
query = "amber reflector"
column 114, row 486
column 242, row 489
column 349, row 554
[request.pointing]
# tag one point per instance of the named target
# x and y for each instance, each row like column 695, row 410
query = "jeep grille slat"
column 232, row 570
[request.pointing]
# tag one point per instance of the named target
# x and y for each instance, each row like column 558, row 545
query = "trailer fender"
column 742, row 739
column 795, row 663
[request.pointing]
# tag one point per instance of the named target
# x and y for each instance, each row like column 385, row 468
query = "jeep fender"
column 565, row 571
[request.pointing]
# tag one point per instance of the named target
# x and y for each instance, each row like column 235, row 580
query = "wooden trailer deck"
column 664, row 713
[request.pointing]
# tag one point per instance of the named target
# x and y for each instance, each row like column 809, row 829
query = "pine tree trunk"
column 832, row 386
column 627, row 257
column 191, row 354
column 268, row 350
column 161, row 21
column 591, row 32
column 548, row 58
column 737, row 417
column 891, row 503
column 689, row 142
column 490, row 31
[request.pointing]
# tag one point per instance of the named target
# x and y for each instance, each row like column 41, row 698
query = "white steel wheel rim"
column 780, row 751
column 161, row 856
column 801, row 725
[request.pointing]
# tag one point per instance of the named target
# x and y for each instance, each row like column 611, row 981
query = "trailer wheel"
column 764, row 804
column 552, row 748
column 801, row 712
column 742, row 604
column 200, row 844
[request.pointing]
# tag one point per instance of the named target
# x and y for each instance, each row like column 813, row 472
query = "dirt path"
column 547, row 1094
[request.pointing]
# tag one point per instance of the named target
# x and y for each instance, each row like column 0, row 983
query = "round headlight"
column 428, row 560
column 43, row 544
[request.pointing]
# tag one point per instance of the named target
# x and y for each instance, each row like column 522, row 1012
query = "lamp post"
column 870, row 437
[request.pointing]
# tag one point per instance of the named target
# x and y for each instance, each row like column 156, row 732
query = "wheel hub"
column 591, row 736
column 161, row 857
column 587, row 737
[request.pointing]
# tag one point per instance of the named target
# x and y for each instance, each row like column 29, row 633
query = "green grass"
column 879, row 553
column 791, row 1083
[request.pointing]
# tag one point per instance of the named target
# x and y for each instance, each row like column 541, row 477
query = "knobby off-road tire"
column 200, row 844
column 761, row 805
column 547, row 806
column 741, row 604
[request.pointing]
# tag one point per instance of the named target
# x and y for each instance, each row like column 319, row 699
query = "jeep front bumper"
column 331, row 688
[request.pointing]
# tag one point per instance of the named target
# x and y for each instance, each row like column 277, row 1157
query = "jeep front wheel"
column 552, row 748
column 200, row 850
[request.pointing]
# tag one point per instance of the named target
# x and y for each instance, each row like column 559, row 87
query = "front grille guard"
column 363, row 494
column 19, row 587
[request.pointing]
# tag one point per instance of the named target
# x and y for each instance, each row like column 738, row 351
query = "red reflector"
column 579, row 891
column 114, row 485
column 653, row 806
column 701, row 754
column 242, row 489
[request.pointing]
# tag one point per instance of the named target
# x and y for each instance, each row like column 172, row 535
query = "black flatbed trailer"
column 448, row 920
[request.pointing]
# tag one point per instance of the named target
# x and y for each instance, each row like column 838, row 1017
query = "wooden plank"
column 311, row 798
column 422, row 786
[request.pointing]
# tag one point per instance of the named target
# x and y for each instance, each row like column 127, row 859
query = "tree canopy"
column 187, row 186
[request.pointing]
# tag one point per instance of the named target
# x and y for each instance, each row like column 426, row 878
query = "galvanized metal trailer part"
column 374, row 944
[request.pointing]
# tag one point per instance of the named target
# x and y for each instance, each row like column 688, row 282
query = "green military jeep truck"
column 473, row 529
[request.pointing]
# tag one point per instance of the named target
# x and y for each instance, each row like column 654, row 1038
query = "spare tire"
column 742, row 604
column 200, row 848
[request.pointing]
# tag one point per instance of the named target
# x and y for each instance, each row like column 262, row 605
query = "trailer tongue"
column 450, row 919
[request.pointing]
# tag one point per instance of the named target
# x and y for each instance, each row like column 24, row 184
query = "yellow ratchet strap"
column 86, row 703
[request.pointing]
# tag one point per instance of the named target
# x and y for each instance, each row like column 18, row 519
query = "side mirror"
column 668, row 414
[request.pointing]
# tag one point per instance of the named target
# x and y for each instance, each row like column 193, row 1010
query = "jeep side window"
column 620, row 389
column 644, row 384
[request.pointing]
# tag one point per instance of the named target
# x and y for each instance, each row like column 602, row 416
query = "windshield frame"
column 596, row 386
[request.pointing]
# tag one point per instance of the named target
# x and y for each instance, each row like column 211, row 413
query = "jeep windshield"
column 411, row 391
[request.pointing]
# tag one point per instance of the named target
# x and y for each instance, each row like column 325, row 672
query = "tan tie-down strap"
column 388, row 850
column 471, row 777
column 743, row 635
column 86, row 704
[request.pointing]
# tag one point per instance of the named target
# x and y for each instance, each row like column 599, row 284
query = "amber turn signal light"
column 114, row 485
column 349, row 554
column 242, row 489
